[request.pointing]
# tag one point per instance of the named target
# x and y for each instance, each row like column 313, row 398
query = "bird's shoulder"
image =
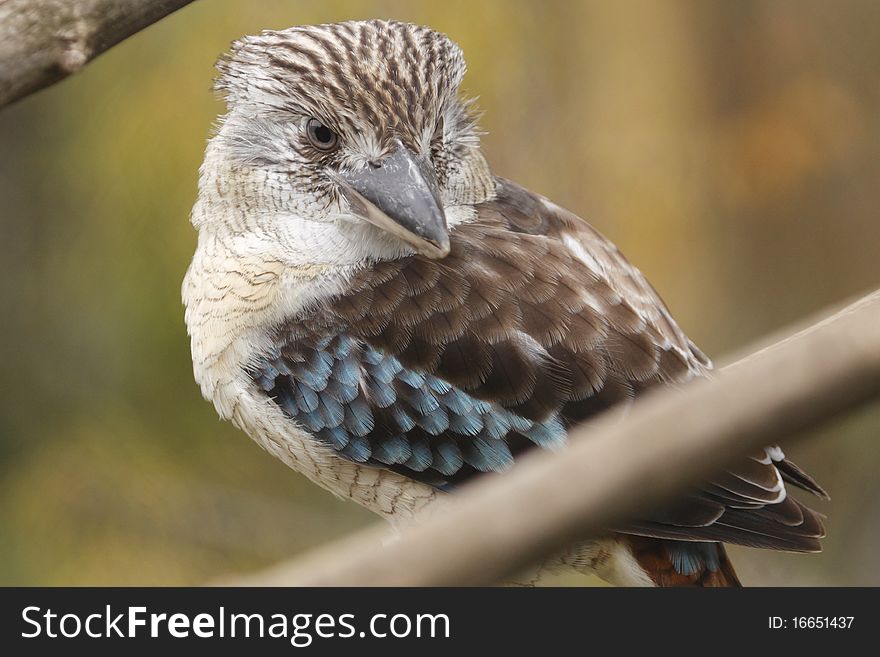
column 596, row 267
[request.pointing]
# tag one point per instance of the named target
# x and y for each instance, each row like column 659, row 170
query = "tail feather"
column 797, row 477
column 683, row 563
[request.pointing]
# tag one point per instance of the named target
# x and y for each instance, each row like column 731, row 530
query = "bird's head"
column 343, row 142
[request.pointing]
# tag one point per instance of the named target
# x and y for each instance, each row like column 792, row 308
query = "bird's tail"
column 683, row 563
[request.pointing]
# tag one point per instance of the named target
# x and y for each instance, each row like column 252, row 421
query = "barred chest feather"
column 232, row 303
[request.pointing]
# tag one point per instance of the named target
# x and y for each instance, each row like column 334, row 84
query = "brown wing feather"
column 535, row 311
column 644, row 347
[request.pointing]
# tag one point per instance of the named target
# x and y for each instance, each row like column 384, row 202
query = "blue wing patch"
column 368, row 407
column 689, row 558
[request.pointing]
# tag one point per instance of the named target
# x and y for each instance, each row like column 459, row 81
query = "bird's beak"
column 400, row 196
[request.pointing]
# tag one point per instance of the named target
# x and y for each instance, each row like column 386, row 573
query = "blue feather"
column 333, row 386
column 550, row 433
column 314, row 378
column 358, row 417
column 313, row 421
column 487, row 455
column 358, row 449
column 420, row 459
column 332, row 411
column 337, row 437
column 482, row 407
column 404, row 421
column 411, row 378
column 372, row 357
column 435, row 422
column 382, row 394
column 421, row 400
column 683, row 560
column 383, row 372
column 320, row 360
column 447, row 458
column 348, row 371
column 690, row 558
column 395, row 450
column 306, row 398
column 341, row 392
column 438, row 385
column 268, row 371
column 496, row 423
column 266, row 383
column 466, row 425
column 393, row 364
column 518, row 423
column 459, row 403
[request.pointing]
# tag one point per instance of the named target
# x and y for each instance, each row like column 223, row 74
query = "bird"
column 377, row 309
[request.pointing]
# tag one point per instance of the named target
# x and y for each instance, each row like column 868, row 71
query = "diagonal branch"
column 620, row 464
column 44, row 41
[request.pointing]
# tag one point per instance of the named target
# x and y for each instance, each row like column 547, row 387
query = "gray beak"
column 400, row 196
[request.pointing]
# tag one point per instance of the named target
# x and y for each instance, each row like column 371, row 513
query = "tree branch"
column 44, row 41
column 624, row 462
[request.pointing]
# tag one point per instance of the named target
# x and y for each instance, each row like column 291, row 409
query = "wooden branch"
column 44, row 41
column 625, row 462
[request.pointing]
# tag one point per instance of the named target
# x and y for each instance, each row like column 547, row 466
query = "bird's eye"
column 320, row 136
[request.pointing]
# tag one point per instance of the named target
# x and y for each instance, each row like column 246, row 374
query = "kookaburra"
column 379, row 311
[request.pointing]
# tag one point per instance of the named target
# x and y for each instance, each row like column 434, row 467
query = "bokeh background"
column 732, row 149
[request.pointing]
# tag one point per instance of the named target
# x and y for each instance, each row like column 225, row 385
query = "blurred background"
column 732, row 150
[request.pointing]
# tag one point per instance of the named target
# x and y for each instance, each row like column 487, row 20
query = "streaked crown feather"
column 390, row 75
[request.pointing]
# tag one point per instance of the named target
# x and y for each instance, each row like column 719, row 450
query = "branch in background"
column 44, row 41
column 624, row 462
